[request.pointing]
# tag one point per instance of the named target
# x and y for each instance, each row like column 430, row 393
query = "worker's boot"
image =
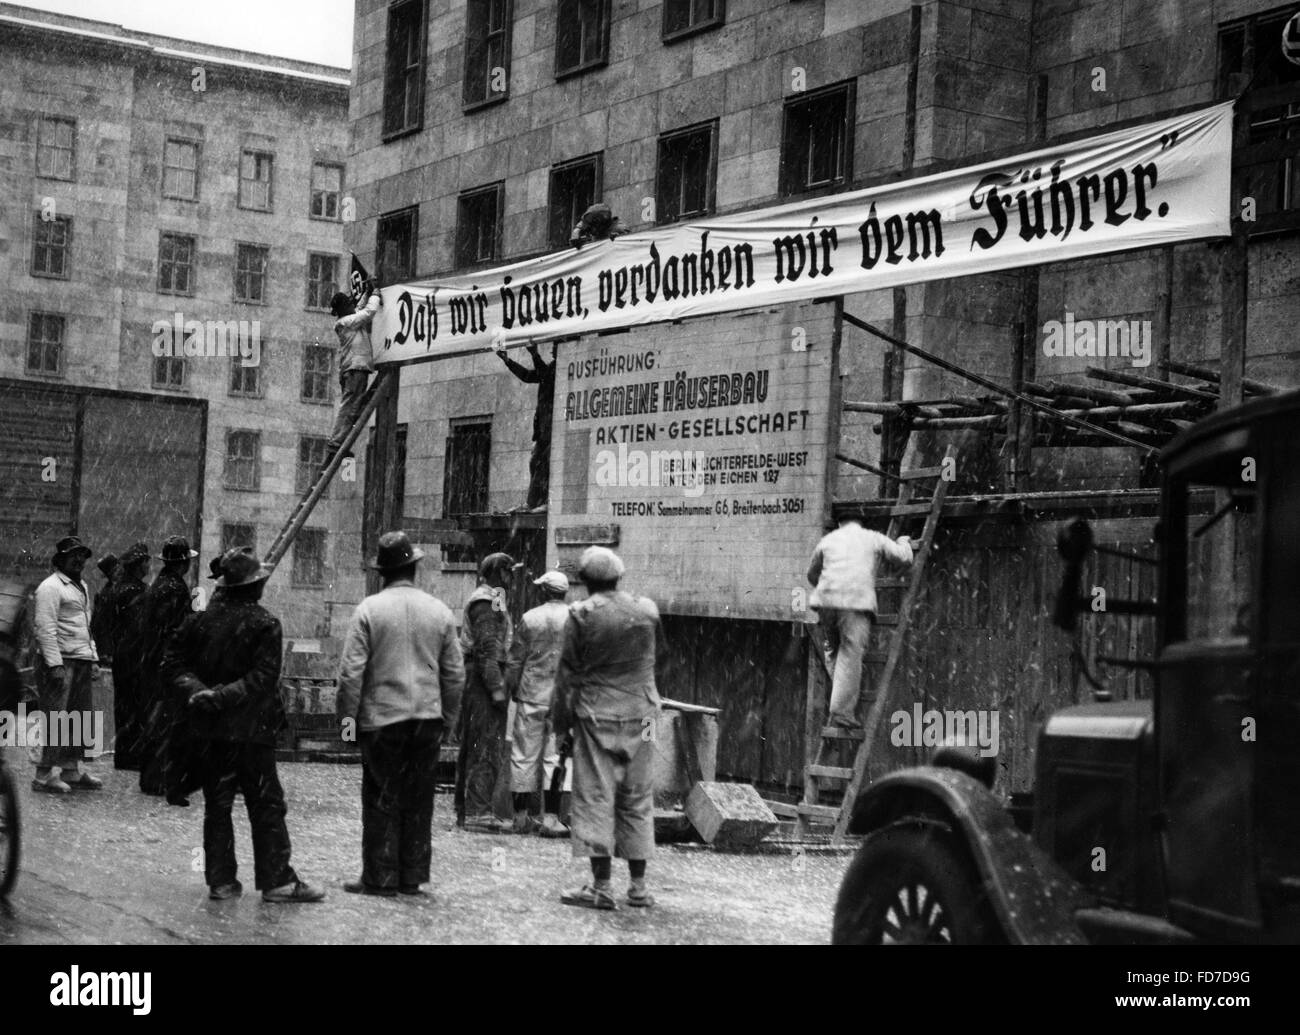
column 550, row 826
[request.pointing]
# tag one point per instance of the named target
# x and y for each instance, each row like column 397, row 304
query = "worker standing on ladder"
column 356, row 359
column 843, row 574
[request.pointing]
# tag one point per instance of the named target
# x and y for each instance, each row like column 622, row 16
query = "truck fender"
column 1032, row 897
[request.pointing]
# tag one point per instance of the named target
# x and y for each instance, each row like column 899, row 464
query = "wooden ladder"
column 830, row 771
column 285, row 537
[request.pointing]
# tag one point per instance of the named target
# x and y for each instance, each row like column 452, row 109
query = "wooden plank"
column 831, row 772
column 587, row 535
column 827, row 813
column 839, row 733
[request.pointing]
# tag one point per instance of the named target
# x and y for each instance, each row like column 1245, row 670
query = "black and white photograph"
column 715, row 473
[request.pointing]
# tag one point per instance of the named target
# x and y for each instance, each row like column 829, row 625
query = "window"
column 180, row 169
column 322, row 279
column 399, row 486
column 309, row 557
column 250, row 272
column 326, row 189
column 487, row 51
column 246, row 381
column 312, row 452
column 685, row 181
column 404, row 68
column 395, row 246
column 243, row 460
column 169, row 372
column 45, row 343
column 1267, row 168
column 176, row 264
column 56, row 148
column 51, row 246
column 255, row 180
column 478, row 226
column 465, row 476
column 817, row 141
column 684, row 18
column 575, row 187
column 581, row 36
column 237, row 537
column 317, row 373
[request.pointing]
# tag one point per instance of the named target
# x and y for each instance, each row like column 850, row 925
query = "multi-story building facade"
column 482, row 128
column 173, row 229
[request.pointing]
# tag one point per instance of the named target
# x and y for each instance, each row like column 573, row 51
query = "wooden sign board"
column 704, row 445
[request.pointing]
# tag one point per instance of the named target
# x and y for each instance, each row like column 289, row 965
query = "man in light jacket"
column 530, row 678
column 843, row 574
column 400, row 680
column 64, row 666
column 356, row 359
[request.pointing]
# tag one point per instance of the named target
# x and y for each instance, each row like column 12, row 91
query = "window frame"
column 506, row 32
column 236, row 363
column 71, row 148
column 711, row 186
column 198, row 151
column 602, row 57
column 334, row 283
column 65, row 249
column 467, row 197
column 454, row 555
column 163, row 236
column 256, row 152
column 596, row 159
column 266, row 272
column 383, row 272
column 785, row 184
column 419, row 72
column 307, row 469
column 304, row 534
column 692, row 28
column 61, row 345
column 228, row 541
column 311, row 193
column 256, row 459
column 169, row 363
column 328, row 374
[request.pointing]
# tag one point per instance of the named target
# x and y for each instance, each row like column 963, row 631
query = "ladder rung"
column 920, row 472
column 831, row 772
column 840, row 733
column 904, row 509
column 783, row 809
column 828, row 813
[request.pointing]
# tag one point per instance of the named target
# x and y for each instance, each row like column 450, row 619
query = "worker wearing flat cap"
column 223, row 666
column 606, row 699
column 530, row 677
column 64, row 663
column 401, row 676
column 484, row 640
column 164, row 606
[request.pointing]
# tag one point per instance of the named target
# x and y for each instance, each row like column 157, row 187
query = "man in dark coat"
column 115, row 613
column 164, row 606
column 484, row 640
column 101, row 632
column 541, row 374
column 225, row 662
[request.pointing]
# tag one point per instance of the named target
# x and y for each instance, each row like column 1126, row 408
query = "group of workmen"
column 198, row 706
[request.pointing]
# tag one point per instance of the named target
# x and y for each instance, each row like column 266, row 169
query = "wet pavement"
column 117, row 866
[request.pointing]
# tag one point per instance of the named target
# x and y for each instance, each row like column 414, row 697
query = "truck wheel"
column 906, row 886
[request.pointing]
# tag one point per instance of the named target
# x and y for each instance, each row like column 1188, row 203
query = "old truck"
column 1162, row 820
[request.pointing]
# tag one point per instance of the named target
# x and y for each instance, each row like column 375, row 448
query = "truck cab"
column 1166, row 820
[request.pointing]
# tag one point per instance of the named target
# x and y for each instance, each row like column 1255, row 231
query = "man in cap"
column 484, row 640
column 542, row 374
column 225, row 662
column 530, row 677
column 164, row 606
column 356, row 358
column 64, row 664
column 843, row 576
column 401, row 675
column 607, row 701
column 122, row 616
column 101, row 632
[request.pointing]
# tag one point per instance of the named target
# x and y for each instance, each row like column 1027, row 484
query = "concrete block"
column 729, row 815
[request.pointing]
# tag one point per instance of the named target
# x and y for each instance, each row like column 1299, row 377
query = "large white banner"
column 1151, row 185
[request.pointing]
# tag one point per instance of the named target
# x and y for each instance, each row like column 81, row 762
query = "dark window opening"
column 404, row 68
column 326, row 189
column 180, row 169
column 465, row 478
column 685, row 180
column 317, row 373
column 312, row 452
column 478, row 226
column 487, row 51
column 243, row 460
column 309, row 558
column 45, row 333
column 250, row 272
column 581, row 36
column 176, row 264
column 51, row 246
column 686, row 17
column 395, row 246
column 575, row 187
column 817, row 144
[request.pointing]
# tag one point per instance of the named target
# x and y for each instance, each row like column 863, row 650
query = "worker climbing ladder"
column 285, row 537
column 829, row 771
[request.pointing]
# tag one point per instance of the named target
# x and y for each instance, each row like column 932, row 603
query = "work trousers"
column 482, row 731
column 60, row 698
column 227, row 767
column 534, row 749
column 352, row 387
column 539, row 471
column 847, row 634
column 127, row 707
column 613, row 788
column 398, row 764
